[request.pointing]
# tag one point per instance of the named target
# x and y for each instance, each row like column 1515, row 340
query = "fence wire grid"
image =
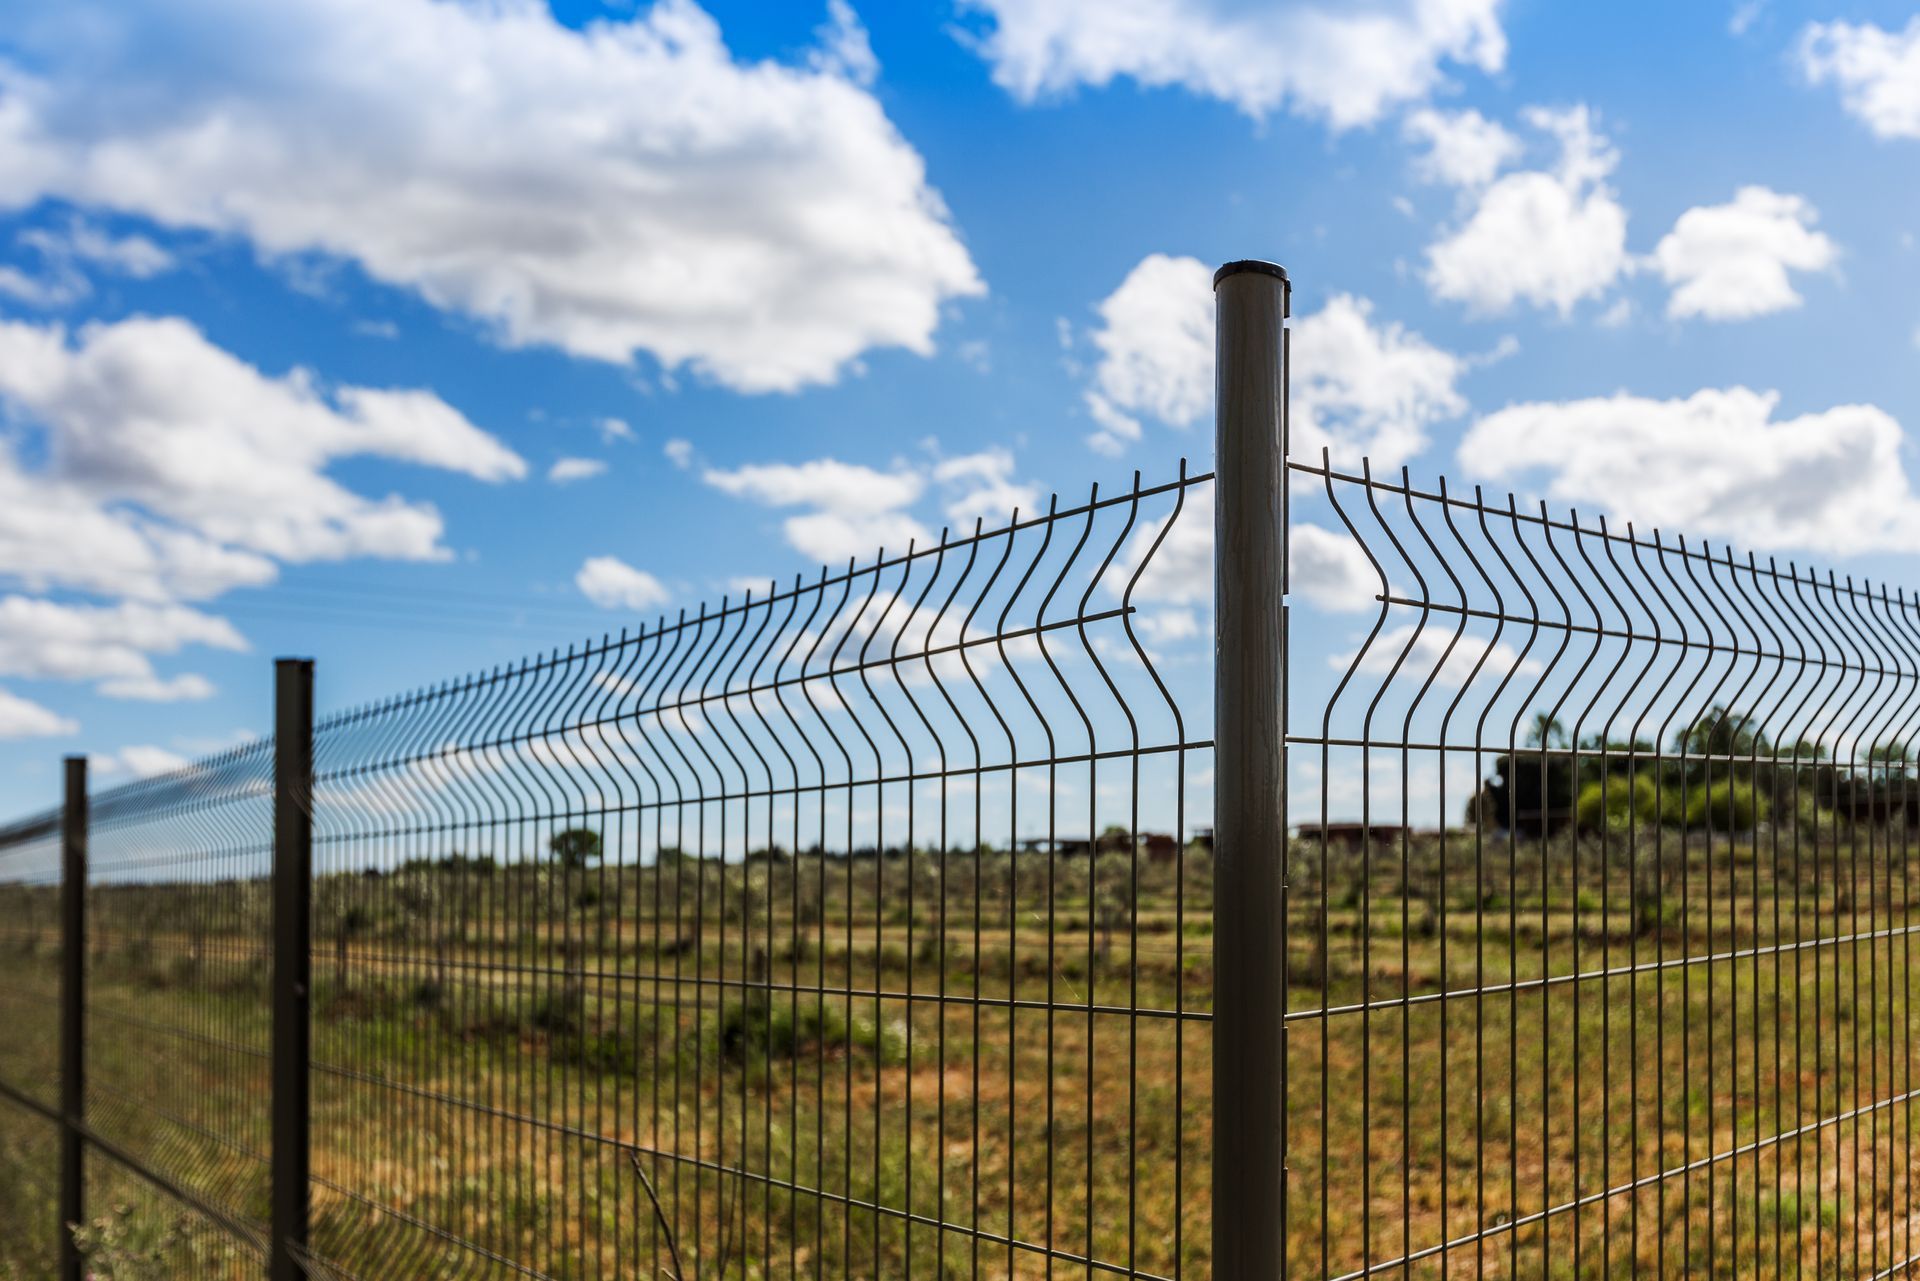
column 1601, row 911
column 865, row 926
column 850, row 928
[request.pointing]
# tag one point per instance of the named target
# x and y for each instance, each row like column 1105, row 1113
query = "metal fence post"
column 292, row 890
column 1249, row 798
column 73, row 973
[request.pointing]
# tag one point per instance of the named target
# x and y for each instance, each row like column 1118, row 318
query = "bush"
column 1613, row 804
column 1730, row 807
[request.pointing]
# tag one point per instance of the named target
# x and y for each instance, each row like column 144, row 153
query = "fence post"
column 1249, row 795
column 73, row 1006
column 292, row 890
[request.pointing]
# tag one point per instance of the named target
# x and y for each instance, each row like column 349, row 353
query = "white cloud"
column 1464, row 148
column 1549, row 237
column 1716, row 463
column 1330, row 570
column 850, row 512
column 49, row 640
column 679, row 453
column 1366, row 390
column 855, row 510
column 611, row 583
column 151, row 466
column 1156, row 350
column 1345, row 62
column 565, row 470
column 148, row 412
column 1877, row 71
column 154, row 689
column 67, row 250
column 823, row 482
column 1730, row 262
column 56, row 289
column 844, row 47
column 55, row 533
column 141, row 760
column 81, row 241
column 1167, row 626
column 981, row 487
column 1435, row 652
column 1358, row 388
column 21, row 718
column 1180, row 572
column 619, row 188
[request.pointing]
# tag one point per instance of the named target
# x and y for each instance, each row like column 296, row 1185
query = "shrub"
column 1613, row 803
column 1730, row 807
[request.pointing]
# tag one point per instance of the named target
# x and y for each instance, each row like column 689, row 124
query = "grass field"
column 949, row 1066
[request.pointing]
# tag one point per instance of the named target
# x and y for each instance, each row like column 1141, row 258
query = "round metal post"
column 1249, row 799
column 73, row 1015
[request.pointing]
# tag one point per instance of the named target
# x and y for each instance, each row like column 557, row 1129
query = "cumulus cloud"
column 155, row 689
column 1434, row 651
column 566, row 470
column 1365, row 390
column 1180, row 572
column 22, row 718
column 1346, row 63
column 151, row 466
column 57, row 533
column 1548, row 237
column 140, row 760
column 981, row 487
column 1730, row 262
column 1877, row 72
column 1156, row 351
column 147, row 411
column 81, row 241
column 625, row 187
column 1464, row 148
column 1326, row 567
column 67, row 251
column 1716, row 463
column 1359, row 388
column 611, row 583
column 851, row 511
column 50, row 640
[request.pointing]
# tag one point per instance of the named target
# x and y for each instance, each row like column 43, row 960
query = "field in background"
column 503, row 1052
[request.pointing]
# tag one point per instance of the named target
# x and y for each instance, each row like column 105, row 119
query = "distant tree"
column 1545, row 731
column 576, row 847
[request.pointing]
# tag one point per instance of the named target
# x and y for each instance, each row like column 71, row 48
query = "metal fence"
column 921, row 918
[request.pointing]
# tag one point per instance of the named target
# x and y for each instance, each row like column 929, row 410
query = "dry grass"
column 494, row 1047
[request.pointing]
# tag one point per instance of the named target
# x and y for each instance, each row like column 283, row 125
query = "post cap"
column 1251, row 264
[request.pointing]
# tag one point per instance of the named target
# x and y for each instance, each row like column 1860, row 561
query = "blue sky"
column 301, row 305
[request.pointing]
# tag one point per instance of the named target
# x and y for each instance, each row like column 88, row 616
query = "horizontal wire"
column 1659, row 642
column 234, row 1228
column 1593, row 976
column 561, row 1129
column 1636, row 1185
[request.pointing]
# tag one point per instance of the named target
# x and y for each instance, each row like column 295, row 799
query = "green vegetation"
column 495, row 1050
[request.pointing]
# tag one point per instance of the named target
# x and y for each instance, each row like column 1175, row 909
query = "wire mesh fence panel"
column 30, row 961
column 177, row 1013
column 1600, row 910
column 848, row 928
